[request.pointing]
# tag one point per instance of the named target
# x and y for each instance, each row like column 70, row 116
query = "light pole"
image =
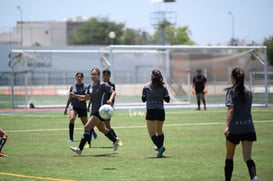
column 21, row 22
column 112, row 36
column 232, row 27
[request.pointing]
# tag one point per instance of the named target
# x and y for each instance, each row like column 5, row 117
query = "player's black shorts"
column 236, row 138
column 155, row 114
column 97, row 115
column 81, row 112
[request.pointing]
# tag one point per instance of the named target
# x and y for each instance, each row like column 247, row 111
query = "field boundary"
column 32, row 177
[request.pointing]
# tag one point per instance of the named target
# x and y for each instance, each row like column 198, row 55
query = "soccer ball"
column 106, row 111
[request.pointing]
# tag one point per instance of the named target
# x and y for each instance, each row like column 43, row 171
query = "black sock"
column 2, row 143
column 90, row 137
column 204, row 102
column 228, row 169
column 110, row 136
column 155, row 141
column 160, row 140
column 71, row 130
column 251, row 168
column 198, row 103
column 113, row 132
column 84, row 139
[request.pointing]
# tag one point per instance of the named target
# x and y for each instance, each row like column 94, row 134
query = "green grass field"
column 195, row 144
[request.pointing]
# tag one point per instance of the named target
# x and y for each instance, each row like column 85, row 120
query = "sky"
column 208, row 20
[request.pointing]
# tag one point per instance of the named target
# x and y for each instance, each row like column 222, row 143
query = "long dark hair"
column 157, row 78
column 238, row 87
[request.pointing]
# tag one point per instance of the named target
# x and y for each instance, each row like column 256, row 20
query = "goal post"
column 216, row 63
column 43, row 76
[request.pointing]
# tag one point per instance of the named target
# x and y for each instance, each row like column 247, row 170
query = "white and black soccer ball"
column 106, row 111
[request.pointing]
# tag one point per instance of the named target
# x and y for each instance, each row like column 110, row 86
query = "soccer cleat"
column 3, row 154
column 69, row 140
column 161, row 151
column 255, row 179
column 76, row 150
column 119, row 142
column 116, row 145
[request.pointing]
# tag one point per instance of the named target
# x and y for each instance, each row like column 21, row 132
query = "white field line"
column 133, row 127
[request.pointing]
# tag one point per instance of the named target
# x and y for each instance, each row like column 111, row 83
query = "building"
column 41, row 33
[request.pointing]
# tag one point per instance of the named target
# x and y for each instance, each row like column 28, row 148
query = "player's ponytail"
column 157, row 78
column 239, row 89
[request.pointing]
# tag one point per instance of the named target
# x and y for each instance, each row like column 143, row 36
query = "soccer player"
column 199, row 88
column 154, row 94
column 239, row 124
column 3, row 140
column 77, row 106
column 106, row 74
column 95, row 92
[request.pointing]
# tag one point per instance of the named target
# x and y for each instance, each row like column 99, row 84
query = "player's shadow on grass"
column 155, row 157
column 109, row 168
column 105, row 155
column 98, row 155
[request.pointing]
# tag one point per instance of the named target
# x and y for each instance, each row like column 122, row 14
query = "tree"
column 173, row 36
column 179, row 35
column 134, row 37
column 268, row 42
column 95, row 32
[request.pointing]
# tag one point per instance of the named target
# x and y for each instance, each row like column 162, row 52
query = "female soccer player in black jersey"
column 239, row 124
column 154, row 94
column 95, row 92
column 106, row 74
column 199, row 88
column 3, row 140
column 77, row 106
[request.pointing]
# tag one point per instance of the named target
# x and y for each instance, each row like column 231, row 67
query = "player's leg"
column 159, row 131
column 203, row 98
column 247, row 150
column 230, row 150
column 3, row 140
column 91, row 123
column 87, row 129
column 84, row 121
column 101, row 127
column 83, row 116
column 72, row 117
column 108, row 134
column 160, row 136
column 198, row 98
column 151, row 126
column 108, row 126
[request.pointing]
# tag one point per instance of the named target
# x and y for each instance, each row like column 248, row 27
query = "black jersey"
column 79, row 89
column 199, row 81
column 97, row 93
column 241, row 121
column 154, row 96
column 106, row 95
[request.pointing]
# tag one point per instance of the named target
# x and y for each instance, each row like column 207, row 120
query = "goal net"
column 42, row 77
